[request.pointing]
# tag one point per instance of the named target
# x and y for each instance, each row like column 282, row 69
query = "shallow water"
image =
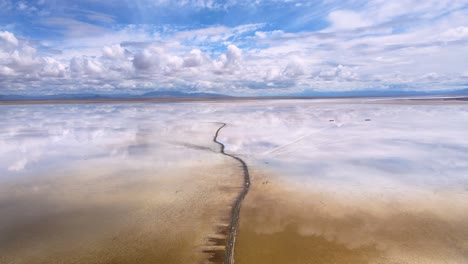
column 389, row 190
column 332, row 182
column 111, row 184
column 284, row 224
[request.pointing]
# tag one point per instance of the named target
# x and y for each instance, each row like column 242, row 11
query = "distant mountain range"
column 92, row 96
column 178, row 94
column 383, row 93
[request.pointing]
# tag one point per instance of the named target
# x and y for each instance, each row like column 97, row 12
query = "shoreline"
column 462, row 99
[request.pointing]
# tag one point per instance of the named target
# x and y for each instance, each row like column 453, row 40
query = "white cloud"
column 86, row 66
column 378, row 45
column 157, row 60
column 379, row 12
column 456, row 33
column 147, row 59
column 233, row 56
column 433, row 76
column 25, row 60
column 203, row 34
column 18, row 165
column 230, row 62
column 194, row 59
column 213, row 4
column 294, row 68
column 20, row 63
column 8, row 41
column 113, row 52
column 385, row 10
column 345, row 19
column 53, row 68
column 6, row 71
column 74, row 28
column 339, row 73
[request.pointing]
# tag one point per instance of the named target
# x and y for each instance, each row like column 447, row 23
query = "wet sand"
column 382, row 183
column 103, row 211
column 284, row 224
column 387, row 185
column 149, row 221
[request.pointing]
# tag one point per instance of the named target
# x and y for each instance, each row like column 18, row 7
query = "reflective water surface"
column 110, row 184
column 332, row 182
column 358, row 184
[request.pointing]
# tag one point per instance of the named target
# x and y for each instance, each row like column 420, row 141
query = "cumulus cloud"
column 339, row 73
column 6, row 71
column 230, row 63
column 294, row 68
column 8, row 41
column 147, row 59
column 53, row 68
column 194, row 58
column 157, row 60
column 20, row 63
column 86, row 66
column 113, row 52
column 25, row 60
column 379, row 44
column 233, row 57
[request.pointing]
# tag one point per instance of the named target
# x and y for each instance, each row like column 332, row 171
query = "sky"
column 232, row 47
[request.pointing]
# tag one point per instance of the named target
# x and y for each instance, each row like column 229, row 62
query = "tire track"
column 233, row 225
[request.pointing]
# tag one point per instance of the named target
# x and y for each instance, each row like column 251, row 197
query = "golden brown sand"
column 283, row 224
column 98, row 217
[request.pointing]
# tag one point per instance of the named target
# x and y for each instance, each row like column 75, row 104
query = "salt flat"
column 110, row 184
column 333, row 181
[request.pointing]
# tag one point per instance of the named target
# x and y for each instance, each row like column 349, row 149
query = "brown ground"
column 281, row 224
column 129, row 218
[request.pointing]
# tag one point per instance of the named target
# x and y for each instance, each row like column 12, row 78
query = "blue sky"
column 233, row 47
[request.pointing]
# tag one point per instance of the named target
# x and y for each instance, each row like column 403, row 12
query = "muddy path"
column 235, row 211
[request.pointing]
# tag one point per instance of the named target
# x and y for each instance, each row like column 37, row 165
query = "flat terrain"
column 371, row 180
column 111, row 185
column 399, row 100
